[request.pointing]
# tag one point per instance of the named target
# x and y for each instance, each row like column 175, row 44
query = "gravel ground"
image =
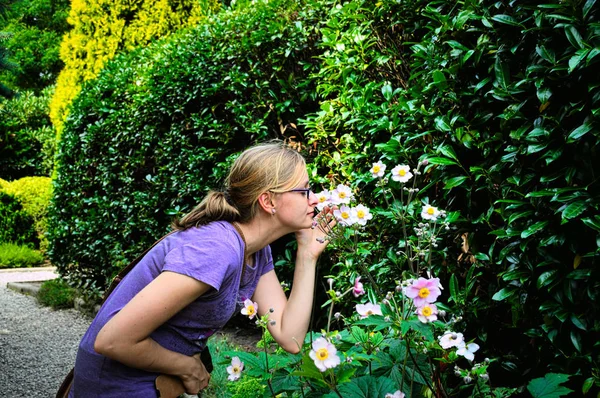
column 37, row 344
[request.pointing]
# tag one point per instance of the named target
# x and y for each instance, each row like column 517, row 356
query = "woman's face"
column 297, row 206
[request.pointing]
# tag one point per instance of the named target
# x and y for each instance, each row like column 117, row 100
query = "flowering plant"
column 402, row 343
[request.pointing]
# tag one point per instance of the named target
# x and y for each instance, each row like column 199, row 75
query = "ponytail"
column 215, row 206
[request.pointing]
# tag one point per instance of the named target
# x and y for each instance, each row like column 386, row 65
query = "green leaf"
column 593, row 223
column 587, row 385
column 576, row 340
column 579, row 132
column 440, row 160
column 546, row 278
column 366, row 387
column 534, row 228
column 580, row 323
column 454, row 288
column 587, row 7
column 506, row 19
column 454, row 182
column 502, row 72
column 439, row 79
column 574, row 37
column 549, row 386
column 387, row 91
column 442, row 124
column 504, row 293
column 448, row 152
column 576, row 59
column 547, row 54
column 573, row 210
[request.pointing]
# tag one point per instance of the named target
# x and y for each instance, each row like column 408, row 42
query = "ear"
column 265, row 201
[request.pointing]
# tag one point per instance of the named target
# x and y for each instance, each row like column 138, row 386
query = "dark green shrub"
column 16, row 226
column 56, row 293
column 15, row 256
column 156, row 129
column 27, row 140
column 503, row 100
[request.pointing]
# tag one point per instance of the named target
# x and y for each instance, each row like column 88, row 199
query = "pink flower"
column 397, row 394
column 424, row 291
column 364, row 310
column 250, row 308
column 358, row 289
column 427, row 313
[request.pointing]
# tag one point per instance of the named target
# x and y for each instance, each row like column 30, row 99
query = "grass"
column 15, row 256
column 56, row 293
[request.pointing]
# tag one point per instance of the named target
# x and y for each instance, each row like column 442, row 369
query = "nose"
column 312, row 198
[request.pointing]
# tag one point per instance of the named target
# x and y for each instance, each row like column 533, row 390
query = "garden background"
column 117, row 116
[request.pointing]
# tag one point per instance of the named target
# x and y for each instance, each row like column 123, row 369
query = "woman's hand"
column 311, row 241
column 198, row 377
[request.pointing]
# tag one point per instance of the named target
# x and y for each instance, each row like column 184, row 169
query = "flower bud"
column 485, row 377
column 424, row 162
column 468, row 379
column 337, row 315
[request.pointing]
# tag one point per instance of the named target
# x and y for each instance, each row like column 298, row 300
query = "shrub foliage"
column 102, row 29
column 148, row 137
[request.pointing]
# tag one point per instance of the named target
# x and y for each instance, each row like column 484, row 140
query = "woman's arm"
column 292, row 317
column 125, row 337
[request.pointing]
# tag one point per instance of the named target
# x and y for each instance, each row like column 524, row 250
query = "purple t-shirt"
column 212, row 254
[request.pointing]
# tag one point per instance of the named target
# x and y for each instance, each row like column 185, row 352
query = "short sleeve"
column 268, row 261
column 209, row 260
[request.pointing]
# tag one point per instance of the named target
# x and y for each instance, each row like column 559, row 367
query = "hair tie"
column 228, row 198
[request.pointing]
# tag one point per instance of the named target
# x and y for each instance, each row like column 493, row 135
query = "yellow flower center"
column 342, row 195
column 424, row 292
column 376, row 169
column 322, row 354
column 372, row 334
column 430, row 211
column 360, row 213
column 250, row 310
column 401, row 172
column 322, row 199
column 369, row 312
column 426, row 311
column 236, row 369
column 345, row 215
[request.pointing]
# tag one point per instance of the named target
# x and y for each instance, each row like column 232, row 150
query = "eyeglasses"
column 306, row 191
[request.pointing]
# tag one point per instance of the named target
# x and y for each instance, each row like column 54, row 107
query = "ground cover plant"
column 56, row 293
column 19, row 256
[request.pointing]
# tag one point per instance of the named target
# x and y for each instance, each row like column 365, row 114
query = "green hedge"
column 504, row 102
column 16, row 226
column 148, row 137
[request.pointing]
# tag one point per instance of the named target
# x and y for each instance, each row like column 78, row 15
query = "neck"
column 260, row 232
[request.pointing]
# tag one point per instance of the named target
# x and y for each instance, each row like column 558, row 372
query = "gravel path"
column 37, row 344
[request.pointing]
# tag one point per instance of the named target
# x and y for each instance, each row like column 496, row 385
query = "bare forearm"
column 147, row 355
column 296, row 316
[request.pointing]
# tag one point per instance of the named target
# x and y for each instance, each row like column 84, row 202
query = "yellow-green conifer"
column 103, row 28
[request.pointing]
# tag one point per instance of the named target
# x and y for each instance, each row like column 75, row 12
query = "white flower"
column 235, row 369
column 364, row 310
column 345, row 215
column 362, row 214
column 324, row 355
column 401, row 173
column 341, row 195
column 451, row 339
column 250, row 308
column 378, row 169
column 430, row 213
column 324, row 198
column 397, row 394
column 467, row 350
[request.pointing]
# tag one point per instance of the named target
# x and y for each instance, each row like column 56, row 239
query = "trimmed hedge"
column 16, row 226
column 156, row 129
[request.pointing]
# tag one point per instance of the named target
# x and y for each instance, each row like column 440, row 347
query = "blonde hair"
column 272, row 166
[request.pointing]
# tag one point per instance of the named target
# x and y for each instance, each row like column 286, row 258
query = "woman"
column 157, row 321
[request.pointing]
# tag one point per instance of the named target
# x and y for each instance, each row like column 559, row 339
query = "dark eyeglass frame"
column 306, row 191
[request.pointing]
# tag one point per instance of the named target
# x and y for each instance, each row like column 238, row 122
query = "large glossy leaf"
column 549, row 386
column 538, row 226
column 365, row 387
